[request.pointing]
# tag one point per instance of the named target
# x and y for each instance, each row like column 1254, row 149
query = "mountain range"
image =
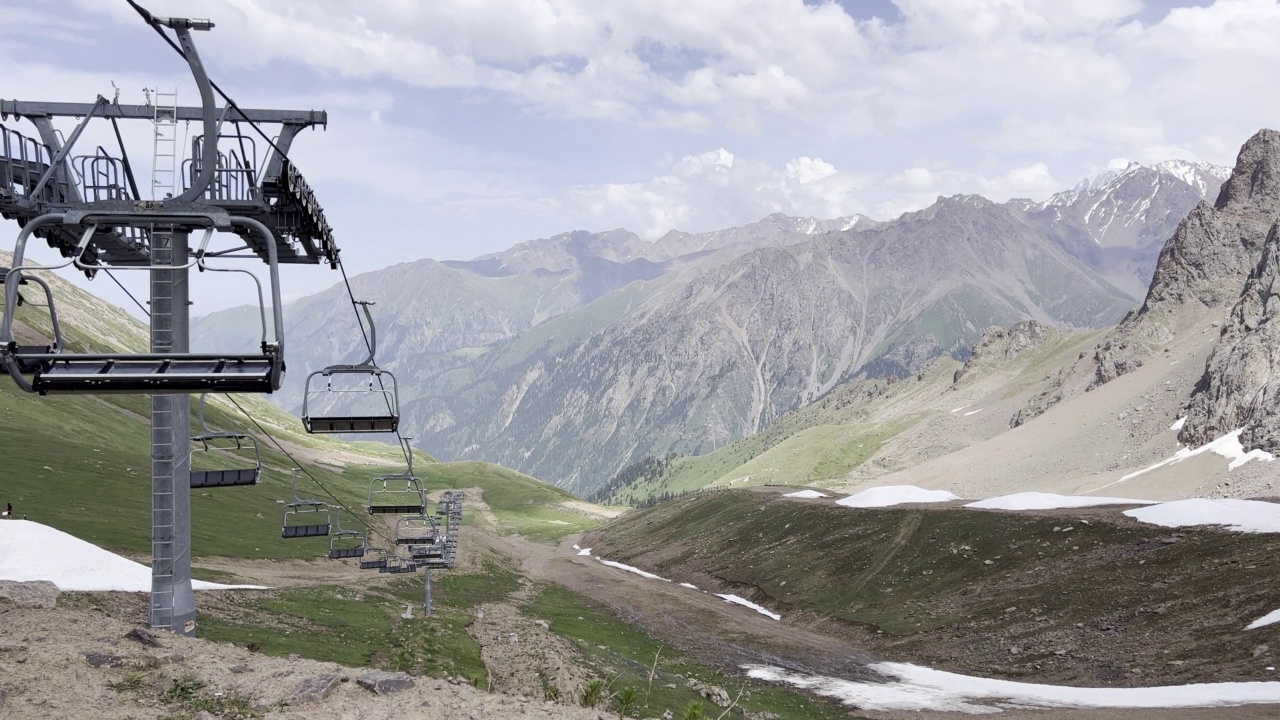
column 570, row 357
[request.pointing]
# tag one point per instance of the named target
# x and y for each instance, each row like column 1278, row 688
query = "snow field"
column 895, row 495
column 31, row 551
column 918, row 688
column 1240, row 515
column 1049, row 501
column 805, row 494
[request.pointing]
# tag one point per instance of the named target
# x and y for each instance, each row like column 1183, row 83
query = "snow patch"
column 1050, row 501
column 918, row 688
column 1228, row 446
column 32, row 551
column 1239, row 515
column 631, row 569
column 583, row 552
column 1270, row 618
column 691, row 586
column 974, row 412
column 895, row 495
column 1176, row 426
column 959, row 408
column 806, row 494
column 747, row 603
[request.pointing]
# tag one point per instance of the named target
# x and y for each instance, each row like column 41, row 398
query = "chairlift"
column 398, row 494
column 376, row 408
column 216, row 444
column 305, row 518
column 397, row 565
column 346, row 543
column 51, row 368
column 374, row 558
column 418, row 530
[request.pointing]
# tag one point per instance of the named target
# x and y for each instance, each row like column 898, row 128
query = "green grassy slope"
column 927, row 579
column 82, row 463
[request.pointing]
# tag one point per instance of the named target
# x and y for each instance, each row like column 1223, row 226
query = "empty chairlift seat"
column 345, row 543
column 420, row 530
column 374, row 558
column 223, row 449
column 52, row 369
column 360, row 398
column 399, row 494
column 305, row 518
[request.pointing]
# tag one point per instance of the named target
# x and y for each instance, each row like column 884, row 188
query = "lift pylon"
column 90, row 209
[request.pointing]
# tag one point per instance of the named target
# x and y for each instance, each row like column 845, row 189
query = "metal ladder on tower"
column 164, row 151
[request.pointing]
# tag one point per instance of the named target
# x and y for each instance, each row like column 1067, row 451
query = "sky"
column 462, row 127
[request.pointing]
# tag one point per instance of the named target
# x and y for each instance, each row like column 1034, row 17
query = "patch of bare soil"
column 522, row 655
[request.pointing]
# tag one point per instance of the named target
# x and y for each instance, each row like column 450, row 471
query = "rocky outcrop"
column 1207, row 259
column 32, row 594
column 998, row 344
column 1241, row 383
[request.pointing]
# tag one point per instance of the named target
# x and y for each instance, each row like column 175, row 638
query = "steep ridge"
column 1240, row 388
column 733, row 349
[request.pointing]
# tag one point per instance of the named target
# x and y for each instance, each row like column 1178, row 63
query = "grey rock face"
column 1241, row 383
column 315, row 689
column 999, row 343
column 33, row 594
column 384, row 683
column 1208, row 258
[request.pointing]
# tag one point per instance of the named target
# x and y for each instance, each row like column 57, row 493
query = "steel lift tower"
column 89, row 208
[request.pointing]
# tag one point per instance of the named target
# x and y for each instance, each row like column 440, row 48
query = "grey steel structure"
column 89, row 208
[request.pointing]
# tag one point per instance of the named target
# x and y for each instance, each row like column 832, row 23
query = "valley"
column 1011, row 456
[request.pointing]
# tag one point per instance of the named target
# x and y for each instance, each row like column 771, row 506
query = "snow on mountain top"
column 1252, row 516
column 895, row 495
column 31, row 551
column 919, row 688
column 806, row 494
column 1050, row 501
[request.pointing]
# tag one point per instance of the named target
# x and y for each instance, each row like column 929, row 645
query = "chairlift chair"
column 397, row 565
column 398, row 494
column 209, row 441
column 379, row 411
column 417, row 530
column 341, row 542
column 305, row 518
column 374, row 558
column 50, row 369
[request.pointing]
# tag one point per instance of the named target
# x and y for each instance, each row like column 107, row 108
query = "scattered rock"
column 239, row 669
column 166, row 658
column 315, row 689
column 1261, row 650
column 11, row 646
column 384, row 683
column 205, row 715
column 98, row 659
column 33, row 594
column 144, row 637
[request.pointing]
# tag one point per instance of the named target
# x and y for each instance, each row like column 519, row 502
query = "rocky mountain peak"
column 1254, row 184
column 1207, row 260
